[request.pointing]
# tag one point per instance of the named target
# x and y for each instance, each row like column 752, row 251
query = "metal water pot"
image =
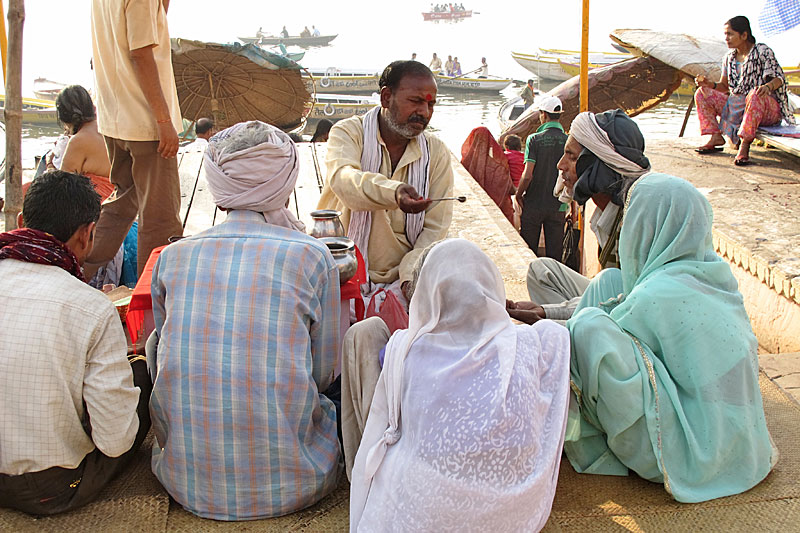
column 343, row 251
column 326, row 224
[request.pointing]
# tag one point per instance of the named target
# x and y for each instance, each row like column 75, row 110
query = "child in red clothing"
column 516, row 164
column 516, row 159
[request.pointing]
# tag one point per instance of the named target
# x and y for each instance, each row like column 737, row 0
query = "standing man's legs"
column 158, row 188
column 117, row 214
column 531, row 227
column 554, row 234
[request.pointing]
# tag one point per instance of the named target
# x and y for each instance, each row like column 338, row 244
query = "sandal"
column 741, row 161
column 708, row 149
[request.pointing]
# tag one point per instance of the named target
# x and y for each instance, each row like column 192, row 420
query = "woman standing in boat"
column 751, row 92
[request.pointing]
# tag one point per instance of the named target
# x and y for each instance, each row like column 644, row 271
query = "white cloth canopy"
column 467, row 422
column 258, row 178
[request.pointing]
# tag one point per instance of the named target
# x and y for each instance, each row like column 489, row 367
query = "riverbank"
column 136, row 501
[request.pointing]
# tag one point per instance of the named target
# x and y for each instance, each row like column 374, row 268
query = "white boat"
column 338, row 106
column 45, row 89
column 463, row 83
column 339, row 81
column 511, row 111
column 544, row 67
column 547, row 63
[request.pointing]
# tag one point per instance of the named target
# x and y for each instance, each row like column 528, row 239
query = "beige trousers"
column 146, row 185
column 360, row 370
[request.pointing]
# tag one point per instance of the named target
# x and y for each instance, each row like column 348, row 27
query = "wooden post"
column 13, row 114
column 686, row 116
column 584, row 106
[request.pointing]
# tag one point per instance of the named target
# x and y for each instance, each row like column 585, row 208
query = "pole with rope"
column 13, row 112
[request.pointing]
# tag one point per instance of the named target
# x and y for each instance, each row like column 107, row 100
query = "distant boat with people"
column 292, row 40
column 446, row 15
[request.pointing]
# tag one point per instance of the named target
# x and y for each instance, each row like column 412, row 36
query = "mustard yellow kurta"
column 347, row 188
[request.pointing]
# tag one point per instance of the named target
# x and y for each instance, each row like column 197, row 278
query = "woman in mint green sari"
column 664, row 369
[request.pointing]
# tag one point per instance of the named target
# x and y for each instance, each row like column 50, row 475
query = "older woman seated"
column 751, row 92
column 664, row 367
column 467, row 421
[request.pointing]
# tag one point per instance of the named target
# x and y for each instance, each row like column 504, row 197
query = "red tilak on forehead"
column 429, row 97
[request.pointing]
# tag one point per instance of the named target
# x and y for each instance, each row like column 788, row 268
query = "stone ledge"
column 776, row 279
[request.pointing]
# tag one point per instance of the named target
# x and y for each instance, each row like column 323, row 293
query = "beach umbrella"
column 634, row 85
column 234, row 83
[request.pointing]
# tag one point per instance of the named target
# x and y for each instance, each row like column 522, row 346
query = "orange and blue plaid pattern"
column 247, row 315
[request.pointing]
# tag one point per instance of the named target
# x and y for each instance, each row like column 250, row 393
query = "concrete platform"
column 756, row 228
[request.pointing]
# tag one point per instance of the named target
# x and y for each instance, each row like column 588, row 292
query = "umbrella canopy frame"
column 634, row 85
column 235, row 83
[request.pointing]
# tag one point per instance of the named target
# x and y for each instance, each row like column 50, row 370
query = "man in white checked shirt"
column 71, row 415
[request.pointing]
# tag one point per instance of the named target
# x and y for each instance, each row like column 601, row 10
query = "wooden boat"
column 510, row 112
column 463, row 83
column 547, row 63
column 34, row 111
column 544, row 67
column 45, row 89
column 338, row 106
column 295, row 40
column 338, row 81
column 597, row 58
column 446, row 15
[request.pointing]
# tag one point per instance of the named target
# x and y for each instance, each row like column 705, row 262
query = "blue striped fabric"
column 778, row 16
column 247, row 315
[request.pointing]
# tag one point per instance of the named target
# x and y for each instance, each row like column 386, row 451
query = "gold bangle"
column 164, row 121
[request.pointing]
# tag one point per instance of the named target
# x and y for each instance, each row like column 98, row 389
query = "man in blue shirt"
column 247, row 321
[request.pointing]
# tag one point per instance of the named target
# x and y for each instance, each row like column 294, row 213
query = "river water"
column 455, row 115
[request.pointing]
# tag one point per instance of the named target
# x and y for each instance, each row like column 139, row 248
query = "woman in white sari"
column 467, row 422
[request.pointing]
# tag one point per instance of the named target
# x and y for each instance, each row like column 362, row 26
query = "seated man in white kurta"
column 382, row 168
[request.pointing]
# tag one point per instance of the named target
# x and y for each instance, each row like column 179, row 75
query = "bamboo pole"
column 584, row 106
column 3, row 39
column 13, row 114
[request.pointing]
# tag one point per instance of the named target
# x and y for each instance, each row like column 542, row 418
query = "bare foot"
column 744, row 150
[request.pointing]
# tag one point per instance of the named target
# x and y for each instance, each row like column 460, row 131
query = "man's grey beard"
column 404, row 131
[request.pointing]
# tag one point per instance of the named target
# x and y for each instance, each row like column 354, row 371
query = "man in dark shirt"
column 540, row 208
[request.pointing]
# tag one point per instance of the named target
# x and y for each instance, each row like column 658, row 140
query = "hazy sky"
column 57, row 35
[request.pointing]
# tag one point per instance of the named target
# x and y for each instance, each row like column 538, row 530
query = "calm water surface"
column 455, row 115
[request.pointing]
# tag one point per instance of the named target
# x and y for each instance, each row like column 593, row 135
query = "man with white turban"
column 603, row 157
column 247, row 324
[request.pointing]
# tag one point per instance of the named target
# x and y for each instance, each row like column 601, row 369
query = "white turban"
column 254, row 166
column 590, row 135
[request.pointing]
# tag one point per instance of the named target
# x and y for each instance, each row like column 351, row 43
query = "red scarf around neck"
column 34, row 246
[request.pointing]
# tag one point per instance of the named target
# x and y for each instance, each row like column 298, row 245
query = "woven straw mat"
column 583, row 503
column 133, row 502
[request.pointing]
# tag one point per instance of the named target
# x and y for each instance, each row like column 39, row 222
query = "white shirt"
column 62, row 346
column 117, row 28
